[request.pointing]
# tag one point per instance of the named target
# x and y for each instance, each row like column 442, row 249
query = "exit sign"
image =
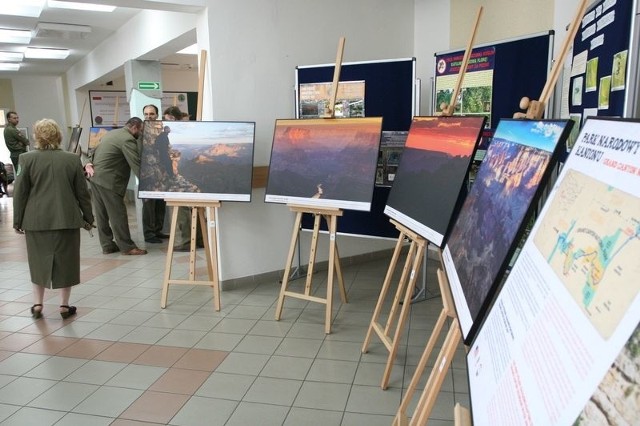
column 148, row 85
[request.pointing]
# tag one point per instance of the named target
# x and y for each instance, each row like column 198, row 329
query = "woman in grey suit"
column 50, row 204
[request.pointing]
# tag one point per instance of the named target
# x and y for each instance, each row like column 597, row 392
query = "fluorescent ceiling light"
column 9, row 67
column 80, row 6
column 11, row 56
column 44, row 53
column 190, row 50
column 62, row 31
column 15, row 36
column 30, row 8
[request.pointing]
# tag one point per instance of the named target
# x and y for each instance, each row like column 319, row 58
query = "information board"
column 571, row 301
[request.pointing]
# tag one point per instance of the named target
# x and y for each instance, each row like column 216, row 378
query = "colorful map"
column 590, row 237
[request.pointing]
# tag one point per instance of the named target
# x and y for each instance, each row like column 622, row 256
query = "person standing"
column 51, row 203
column 109, row 170
column 153, row 210
column 14, row 139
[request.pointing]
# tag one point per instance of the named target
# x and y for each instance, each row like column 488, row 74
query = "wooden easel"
column 403, row 293
column 461, row 416
column 535, row 109
column 414, row 258
column 210, row 249
column 331, row 217
column 432, row 388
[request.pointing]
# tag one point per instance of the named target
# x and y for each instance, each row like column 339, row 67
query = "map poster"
column 561, row 340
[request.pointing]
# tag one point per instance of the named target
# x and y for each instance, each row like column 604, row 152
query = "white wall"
column 36, row 98
column 252, row 61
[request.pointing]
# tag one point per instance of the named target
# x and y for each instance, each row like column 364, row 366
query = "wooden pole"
column 535, row 109
column 84, row 105
column 331, row 108
column 201, row 74
column 449, row 109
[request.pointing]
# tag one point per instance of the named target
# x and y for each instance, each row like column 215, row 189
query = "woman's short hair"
column 47, row 134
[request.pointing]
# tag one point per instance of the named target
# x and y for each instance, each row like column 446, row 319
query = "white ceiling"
column 102, row 25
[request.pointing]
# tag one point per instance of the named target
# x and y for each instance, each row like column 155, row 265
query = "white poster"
column 571, row 302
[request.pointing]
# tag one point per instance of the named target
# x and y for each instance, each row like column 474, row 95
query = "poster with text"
column 324, row 162
column 477, row 86
column 431, row 173
column 560, row 345
column 197, row 160
column 495, row 212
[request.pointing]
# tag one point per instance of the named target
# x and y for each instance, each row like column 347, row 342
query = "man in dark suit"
column 153, row 211
column 109, row 170
column 14, row 139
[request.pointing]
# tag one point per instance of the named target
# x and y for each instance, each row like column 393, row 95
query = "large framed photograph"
column 431, row 174
column 560, row 344
column 324, row 162
column 95, row 134
column 197, row 160
column 494, row 214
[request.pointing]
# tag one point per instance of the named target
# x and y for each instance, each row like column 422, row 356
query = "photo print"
column 197, row 160
column 431, row 174
column 324, row 162
column 496, row 210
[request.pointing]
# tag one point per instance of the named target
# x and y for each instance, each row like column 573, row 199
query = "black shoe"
column 110, row 250
column 36, row 314
column 182, row 247
column 153, row 240
column 70, row 311
column 161, row 235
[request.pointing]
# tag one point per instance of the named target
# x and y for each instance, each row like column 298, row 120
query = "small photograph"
column 592, row 75
column 380, row 176
column 576, row 91
column 605, row 91
column 391, row 173
column 619, row 71
column 575, row 130
column 393, row 157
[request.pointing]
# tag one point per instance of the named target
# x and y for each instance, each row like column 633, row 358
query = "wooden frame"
column 330, row 216
column 403, row 293
column 210, row 249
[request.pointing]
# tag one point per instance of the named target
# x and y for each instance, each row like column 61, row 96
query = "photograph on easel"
column 324, row 162
column 197, row 160
column 95, row 134
column 431, row 174
column 494, row 214
column 74, row 140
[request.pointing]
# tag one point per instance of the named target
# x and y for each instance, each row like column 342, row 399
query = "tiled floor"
column 125, row 361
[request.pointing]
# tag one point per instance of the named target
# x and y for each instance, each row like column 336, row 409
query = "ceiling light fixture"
column 45, row 53
column 11, row 56
column 15, row 36
column 9, row 67
column 29, row 8
column 62, row 31
column 80, row 6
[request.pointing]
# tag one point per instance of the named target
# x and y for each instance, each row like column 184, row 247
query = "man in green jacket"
column 15, row 140
column 112, row 162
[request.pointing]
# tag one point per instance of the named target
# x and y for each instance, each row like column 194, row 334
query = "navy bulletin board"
column 390, row 92
column 521, row 66
column 605, row 37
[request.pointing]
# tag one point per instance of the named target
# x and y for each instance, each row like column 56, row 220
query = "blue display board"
column 389, row 92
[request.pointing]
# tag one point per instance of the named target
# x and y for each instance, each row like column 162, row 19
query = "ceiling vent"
column 62, row 31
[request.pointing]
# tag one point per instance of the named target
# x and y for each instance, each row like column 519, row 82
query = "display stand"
column 210, row 249
column 401, row 301
column 432, row 388
column 535, row 108
column 331, row 217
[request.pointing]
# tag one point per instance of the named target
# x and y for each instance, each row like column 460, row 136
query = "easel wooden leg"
column 167, row 268
column 211, row 252
column 332, row 261
column 383, row 293
column 434, row 384
column 287, row 269
column 343, row 292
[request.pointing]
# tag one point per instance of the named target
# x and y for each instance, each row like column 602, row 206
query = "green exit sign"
column 148, row 85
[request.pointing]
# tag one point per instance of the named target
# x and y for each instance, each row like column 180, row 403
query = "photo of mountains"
column 213, row 159
column 431, row 174
column 494, row 212
column 324, row 162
